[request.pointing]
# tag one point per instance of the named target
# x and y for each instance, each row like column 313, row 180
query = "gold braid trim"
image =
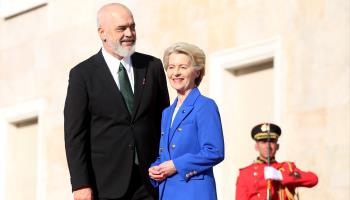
column 290, row 196
column 290, row 166
column 284, row 190
column 280, row 193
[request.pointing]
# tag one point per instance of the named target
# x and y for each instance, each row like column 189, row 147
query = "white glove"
column 272, row 173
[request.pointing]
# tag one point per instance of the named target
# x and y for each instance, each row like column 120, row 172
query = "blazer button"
column 179, row 129
column 173, row 146
column 160, row 150
column 162, row 133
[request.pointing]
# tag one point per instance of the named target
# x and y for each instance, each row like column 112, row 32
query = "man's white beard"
column 118, row 49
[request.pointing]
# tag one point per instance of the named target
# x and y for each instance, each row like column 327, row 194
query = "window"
column 21, row 163
column 22, row 151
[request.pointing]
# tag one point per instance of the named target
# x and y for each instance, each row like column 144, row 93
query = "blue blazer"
column 195, row 144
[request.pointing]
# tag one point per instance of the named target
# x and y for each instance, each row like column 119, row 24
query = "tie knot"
column 121, row 67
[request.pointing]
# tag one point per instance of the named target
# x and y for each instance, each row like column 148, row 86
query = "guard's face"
column 181, row 73
column 262, row 147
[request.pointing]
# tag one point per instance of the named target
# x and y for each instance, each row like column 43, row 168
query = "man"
column 280, row 179
column 112, row 114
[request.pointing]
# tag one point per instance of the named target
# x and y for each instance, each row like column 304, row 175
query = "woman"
column 191, row 139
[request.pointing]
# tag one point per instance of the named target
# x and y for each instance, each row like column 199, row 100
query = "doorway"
column 247, row 84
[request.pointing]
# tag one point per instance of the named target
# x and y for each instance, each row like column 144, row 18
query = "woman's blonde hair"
column 195, row 54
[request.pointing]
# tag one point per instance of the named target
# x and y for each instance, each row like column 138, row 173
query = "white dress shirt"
column 174, row 114
column 113, row 65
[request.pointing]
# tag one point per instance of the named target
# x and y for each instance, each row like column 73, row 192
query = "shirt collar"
column 113, row 61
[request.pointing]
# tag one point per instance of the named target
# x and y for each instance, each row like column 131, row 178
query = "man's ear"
column 277, row 146
column 102, row 34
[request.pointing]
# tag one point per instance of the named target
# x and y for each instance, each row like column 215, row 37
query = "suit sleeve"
column 241, row 188
column 211, row 143
column 294, row 177
column 76, row 127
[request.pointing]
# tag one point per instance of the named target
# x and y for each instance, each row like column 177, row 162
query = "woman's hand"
column 167, row 168
column 155, row 174
column 162, row 171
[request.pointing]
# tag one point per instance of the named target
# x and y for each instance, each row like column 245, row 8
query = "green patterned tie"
column 125, row 88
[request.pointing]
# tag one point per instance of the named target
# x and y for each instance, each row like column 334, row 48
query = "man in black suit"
column 112, row 114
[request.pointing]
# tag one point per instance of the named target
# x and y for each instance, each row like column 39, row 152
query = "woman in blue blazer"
column 191, row 139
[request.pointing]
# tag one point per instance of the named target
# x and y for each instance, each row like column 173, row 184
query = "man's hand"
column 272, row 173
column 83, row 194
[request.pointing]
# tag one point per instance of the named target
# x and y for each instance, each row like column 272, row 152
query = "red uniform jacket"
column 252, row 185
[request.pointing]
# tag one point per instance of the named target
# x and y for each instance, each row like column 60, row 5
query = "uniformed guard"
column 284, row 177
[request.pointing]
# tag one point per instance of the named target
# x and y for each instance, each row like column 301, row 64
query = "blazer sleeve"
column 76, row 128
column 210, row 138
column 155, row 163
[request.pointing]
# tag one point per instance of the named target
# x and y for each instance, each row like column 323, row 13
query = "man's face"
column 119, row 33
column 262, row 147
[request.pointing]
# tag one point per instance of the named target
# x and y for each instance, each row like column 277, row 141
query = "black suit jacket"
column 101, row 135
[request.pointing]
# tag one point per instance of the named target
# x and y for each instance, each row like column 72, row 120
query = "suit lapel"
column 180, row 116
column 106, row 76
column 140, row 71
column 184, row 110
column 104, row 71
column 167, row 125
column 169, row 119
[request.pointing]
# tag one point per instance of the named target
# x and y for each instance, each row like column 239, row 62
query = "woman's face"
column 181, row 73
